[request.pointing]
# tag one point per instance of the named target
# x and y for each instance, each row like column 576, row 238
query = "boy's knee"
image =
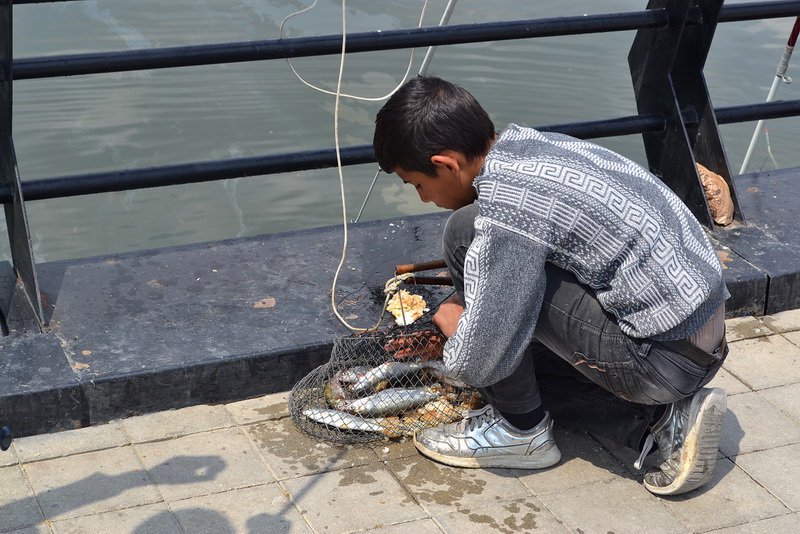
column 460, row 228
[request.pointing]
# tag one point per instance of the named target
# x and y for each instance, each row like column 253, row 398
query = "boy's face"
column 451, row 188
column 441, row 190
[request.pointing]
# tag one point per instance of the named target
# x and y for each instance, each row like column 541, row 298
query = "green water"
column 93, row 123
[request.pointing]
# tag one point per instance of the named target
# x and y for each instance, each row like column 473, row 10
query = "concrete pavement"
column 243, row 467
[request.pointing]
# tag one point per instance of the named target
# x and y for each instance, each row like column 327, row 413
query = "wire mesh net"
column 364, row 393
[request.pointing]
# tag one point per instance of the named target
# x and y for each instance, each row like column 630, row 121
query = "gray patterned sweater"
column 546, row 197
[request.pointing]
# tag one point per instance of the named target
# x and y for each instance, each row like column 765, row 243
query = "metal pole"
column 780, row 75
column 426, row 61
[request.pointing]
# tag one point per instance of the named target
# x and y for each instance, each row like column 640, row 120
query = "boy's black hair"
column 426, row 116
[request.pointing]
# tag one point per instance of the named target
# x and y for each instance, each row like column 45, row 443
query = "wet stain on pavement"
column 439, row 484
column 748, row 330
column 357, row 476
column 522, row 518
column 291, row 453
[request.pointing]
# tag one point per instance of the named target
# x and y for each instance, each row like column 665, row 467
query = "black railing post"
column 24, row 307
column 667, row 70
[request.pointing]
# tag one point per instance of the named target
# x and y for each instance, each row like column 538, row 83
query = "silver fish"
column 437, row 369
column 391, row 370
column 354, row 374
column 343, row 420
column 396, row 370
column 391, row 401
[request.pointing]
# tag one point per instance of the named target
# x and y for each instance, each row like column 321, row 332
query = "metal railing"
column 666, row 62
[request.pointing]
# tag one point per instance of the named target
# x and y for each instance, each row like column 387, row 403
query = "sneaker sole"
column 699, row 453
column 539, row 459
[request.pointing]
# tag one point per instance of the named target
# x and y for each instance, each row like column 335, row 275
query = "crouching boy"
column 586, row 292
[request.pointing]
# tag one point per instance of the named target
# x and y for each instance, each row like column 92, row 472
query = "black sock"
column 524, row 421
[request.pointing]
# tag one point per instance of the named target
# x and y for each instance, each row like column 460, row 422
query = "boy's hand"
column 424, row 346
column 448, row 314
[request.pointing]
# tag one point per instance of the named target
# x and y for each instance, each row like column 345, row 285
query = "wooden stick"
column 415, row 267
column 430, row 280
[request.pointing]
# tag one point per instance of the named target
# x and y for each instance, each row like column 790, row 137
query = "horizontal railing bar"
column 185, row 173
column 778, row 109
column 759, row 10
column 186, row 56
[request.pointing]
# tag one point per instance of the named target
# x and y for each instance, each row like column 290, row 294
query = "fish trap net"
column 365, row 394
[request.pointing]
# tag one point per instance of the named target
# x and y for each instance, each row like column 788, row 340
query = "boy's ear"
column 447, row 159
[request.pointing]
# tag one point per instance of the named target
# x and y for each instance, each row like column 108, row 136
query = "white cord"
column 338, row 93
column 393, row 283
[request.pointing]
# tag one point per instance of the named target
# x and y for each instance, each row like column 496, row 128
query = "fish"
column 354, row 374
column 391, row 370
column 334, row 392
column 438, row 370
column 395, row 370
column 343, row 420
column 391, row 401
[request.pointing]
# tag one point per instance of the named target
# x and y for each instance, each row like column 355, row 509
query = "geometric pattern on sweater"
column 606, row 219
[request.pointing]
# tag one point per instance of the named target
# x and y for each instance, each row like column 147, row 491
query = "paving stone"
column 728, row 382
column 626, row 458
column 620, row 505
column 18, row 507
column 257, row 509
column 764, row 362
column 264, row 408
column 204, row 463
column 423, row 526
column 583, row 461
column 147, row 519
column 784, row 524
column 785, row 399
column 174, row 423
column 77, row 441
column 510, row 517
column 753, row 424
column 394, row 449
column 745, row 328
column 348, row 500
column 793, row 337
column 785, row 321
column 39, row 529
column 441, row 489
column 91, row 483
column 730, row 498
column 291, row 453
column 778, row 471
column 9, row 457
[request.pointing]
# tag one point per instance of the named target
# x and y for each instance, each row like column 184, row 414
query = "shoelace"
column 475, row 418
column 648, row 445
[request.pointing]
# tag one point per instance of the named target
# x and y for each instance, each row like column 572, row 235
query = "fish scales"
column 391, row 401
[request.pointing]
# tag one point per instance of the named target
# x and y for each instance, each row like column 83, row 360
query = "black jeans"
column 581, row 367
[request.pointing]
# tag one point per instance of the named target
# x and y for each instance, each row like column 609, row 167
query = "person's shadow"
column 212, row 521
column 98, row 487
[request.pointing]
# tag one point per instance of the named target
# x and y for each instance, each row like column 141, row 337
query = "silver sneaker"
column 687, row 437
column 485, row 439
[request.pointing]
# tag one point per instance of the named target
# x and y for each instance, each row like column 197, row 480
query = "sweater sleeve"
column 504, row 284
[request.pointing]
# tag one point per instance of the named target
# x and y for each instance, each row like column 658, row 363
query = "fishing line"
column 780, row 76
column 392, row 285
column 338, row 93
